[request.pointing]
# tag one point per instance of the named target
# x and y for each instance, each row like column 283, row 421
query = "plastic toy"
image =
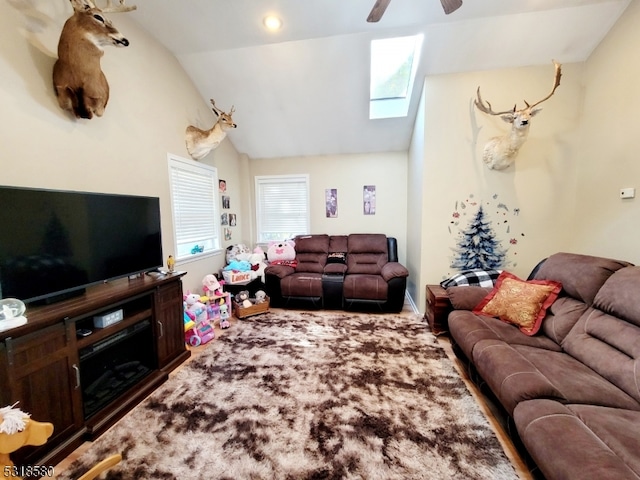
column 211, row 286
column 224, row 315
column 196, row 310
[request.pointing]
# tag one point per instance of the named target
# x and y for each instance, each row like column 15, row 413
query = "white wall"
column 348, row 174
column 415, row 205
column 152, row 101
column 541, row 184
column 608, row 157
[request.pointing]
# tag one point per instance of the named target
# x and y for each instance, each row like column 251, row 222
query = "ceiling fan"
column 380, row 6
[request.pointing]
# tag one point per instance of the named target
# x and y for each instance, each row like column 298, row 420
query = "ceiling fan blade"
column 450, row 6
column 378, row 10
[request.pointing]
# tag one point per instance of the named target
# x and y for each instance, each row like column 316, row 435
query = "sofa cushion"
column 468, row 329
column 311, row 253
column 302, row 284
column 619, row 295
column 522, row 303
column 581, row 275
column 581, row 442
column 519, row 372
column 366, row 253
column 609, row 343
column 338, row 243
column 466, row 297
column 561, row 317
column 365, row 287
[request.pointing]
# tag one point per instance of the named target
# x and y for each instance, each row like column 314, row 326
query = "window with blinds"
column 196, row 221
column 282, row 206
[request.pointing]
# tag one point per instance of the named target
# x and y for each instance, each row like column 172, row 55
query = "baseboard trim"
column 411, row 302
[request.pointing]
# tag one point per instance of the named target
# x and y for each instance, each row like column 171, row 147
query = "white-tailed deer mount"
column 201, row 142
column 500, row 152
column 79, row 83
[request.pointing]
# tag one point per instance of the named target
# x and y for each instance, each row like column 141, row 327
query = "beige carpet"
column 309, row 395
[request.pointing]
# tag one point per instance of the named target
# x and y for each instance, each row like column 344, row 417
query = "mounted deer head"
column 500, row 152
column 201, row 142
column 79, row 83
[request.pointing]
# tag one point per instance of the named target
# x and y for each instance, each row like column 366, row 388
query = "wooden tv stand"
column 55, row 373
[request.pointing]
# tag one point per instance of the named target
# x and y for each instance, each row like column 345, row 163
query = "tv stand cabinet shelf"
column 84, row 384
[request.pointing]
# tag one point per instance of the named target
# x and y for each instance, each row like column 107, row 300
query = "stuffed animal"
column 242, row 298
column 281, row 252
column 237, row 252
column 261, row 297
column 258, row 266
column 196, row 310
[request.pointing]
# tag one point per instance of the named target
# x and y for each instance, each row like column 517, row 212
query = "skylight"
column 394, row 63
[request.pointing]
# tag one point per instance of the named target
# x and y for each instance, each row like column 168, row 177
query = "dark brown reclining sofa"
column 573, row 389
column 350, row 272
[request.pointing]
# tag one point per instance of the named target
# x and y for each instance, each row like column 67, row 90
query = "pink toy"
column 211, row 286
column 196, row 310
column 281, row 251
column 200, row 335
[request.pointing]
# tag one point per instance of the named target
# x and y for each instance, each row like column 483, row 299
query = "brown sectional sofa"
column 351, row 272
column 572, row 390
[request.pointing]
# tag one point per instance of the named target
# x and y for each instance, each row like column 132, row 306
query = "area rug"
column 309, row 395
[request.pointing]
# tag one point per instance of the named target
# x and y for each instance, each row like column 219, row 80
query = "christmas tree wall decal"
column 478, row 247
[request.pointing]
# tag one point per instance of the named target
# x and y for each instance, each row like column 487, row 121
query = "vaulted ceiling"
column 304, row 90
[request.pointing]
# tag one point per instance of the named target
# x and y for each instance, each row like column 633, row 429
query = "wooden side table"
column 437, row 309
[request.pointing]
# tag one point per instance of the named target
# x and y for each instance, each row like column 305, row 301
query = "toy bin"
column 232, row 277
column 256, row 309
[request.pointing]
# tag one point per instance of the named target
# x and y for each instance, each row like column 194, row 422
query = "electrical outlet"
column 627, row 192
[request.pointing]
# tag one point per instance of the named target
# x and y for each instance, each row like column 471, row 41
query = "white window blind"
column 282, row 206
column 196, row 221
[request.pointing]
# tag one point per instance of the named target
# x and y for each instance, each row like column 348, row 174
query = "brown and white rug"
column 309, row 395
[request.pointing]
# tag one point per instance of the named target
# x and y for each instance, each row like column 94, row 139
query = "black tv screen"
column 56, row 243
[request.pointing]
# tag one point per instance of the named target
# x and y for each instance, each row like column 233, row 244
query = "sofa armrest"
column 465, row 297
column 392, row 270
column 335, row 269
column 279, row 271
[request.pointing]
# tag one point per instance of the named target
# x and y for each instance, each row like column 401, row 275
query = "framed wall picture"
column 226, row 202
column 369, row 200
column 331, row 202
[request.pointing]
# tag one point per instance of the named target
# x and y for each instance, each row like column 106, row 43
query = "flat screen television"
column 54, row 244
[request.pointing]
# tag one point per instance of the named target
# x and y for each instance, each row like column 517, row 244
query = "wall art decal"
column 486, row 234
column 369, row 199
column 331, row 202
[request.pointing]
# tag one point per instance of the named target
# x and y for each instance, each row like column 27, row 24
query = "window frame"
column 305, row 224
column 209, row 177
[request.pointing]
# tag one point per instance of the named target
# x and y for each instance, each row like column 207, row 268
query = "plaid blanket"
column 478, row 278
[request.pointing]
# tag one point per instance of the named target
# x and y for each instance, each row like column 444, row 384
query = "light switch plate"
column 627, row 192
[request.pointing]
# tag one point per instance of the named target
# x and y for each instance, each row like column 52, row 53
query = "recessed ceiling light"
column 272, row 23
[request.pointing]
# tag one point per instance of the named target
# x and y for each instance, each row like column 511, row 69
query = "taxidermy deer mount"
column 79, row 83
column 500, row 152
column 201, row 142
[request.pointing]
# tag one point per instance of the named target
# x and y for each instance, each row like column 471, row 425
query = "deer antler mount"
column 79, row 83
column 201, row 142
column 500, row 152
